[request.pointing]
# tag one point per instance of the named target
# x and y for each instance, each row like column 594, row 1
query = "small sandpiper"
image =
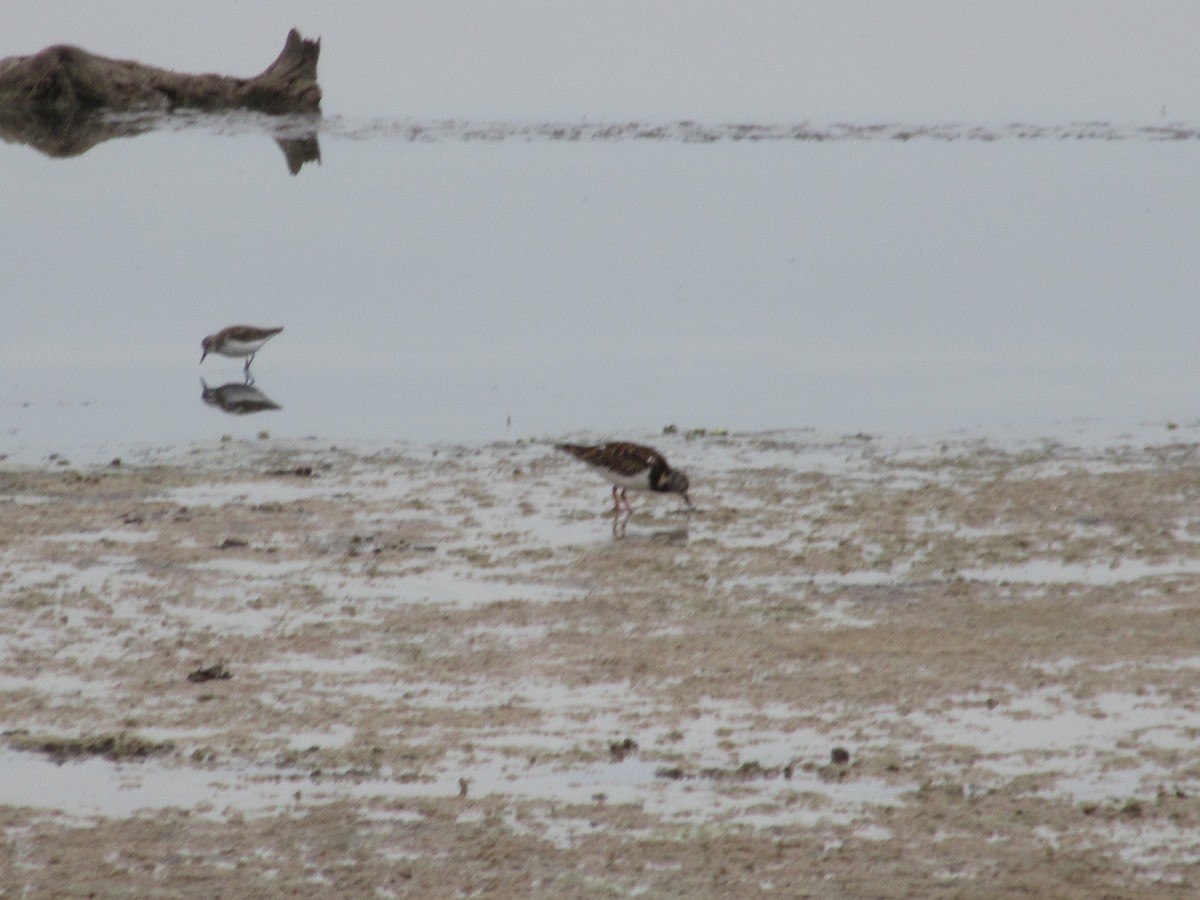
column 238, row 340
column 631, row 467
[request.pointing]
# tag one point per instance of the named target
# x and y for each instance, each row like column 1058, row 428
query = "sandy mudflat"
column 865, row 668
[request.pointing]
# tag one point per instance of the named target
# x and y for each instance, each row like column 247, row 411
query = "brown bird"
column 631, row 467
column 238, row 340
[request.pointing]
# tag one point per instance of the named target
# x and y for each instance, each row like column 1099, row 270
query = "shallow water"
column 525, row 222
column 449, row 288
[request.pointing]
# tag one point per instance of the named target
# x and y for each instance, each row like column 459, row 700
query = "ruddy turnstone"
column 631, row 467
column 238, row 340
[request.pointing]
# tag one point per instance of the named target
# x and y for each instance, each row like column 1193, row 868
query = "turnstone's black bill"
column 238, row 340
column 631, row 467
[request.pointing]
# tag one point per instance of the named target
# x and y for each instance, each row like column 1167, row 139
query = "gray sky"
column 763, row 60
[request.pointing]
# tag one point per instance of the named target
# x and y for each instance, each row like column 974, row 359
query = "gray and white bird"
column 237, row 341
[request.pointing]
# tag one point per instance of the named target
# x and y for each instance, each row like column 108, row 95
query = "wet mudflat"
column 865, row 667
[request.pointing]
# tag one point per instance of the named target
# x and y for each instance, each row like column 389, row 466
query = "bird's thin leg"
column 616, row 502
column 625, row 499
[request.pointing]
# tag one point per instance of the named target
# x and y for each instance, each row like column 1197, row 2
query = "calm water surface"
column 460, row 290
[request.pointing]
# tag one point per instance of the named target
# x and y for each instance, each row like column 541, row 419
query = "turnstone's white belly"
column 639, row 482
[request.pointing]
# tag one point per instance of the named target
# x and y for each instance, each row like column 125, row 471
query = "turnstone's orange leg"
column 616, row 502
column 625, row 500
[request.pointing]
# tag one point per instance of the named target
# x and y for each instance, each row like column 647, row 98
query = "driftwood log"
column 67, row 81
column 60, row 100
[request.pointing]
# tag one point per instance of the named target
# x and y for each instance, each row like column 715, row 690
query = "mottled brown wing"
column 620, row 457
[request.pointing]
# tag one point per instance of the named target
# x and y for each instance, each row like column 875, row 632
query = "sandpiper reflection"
column 238, row 398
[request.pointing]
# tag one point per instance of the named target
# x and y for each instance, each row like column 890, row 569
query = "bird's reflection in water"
column 657, row 535
column 238, row 398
